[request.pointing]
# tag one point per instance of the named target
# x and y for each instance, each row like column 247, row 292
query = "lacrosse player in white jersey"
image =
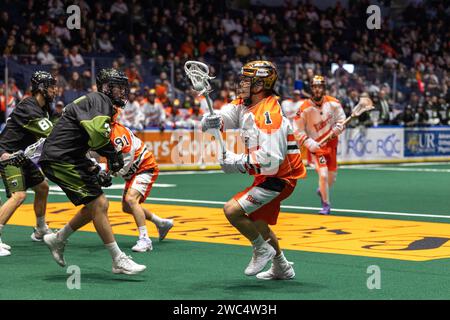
column 317, row 117
column 132, row 115
column 272, row 157
column 153, row 110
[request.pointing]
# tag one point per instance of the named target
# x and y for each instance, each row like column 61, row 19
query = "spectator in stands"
column 45, row 57
column 421, row 117
column 383, row 106
column 188, row 47
column 14, row 90
column 153, row 110
column 133, row 74
column 405, row 118
column 75, row 82
column 194, row 115
column 60, row 79
column 65, row 61
column 175, row 117
column 86, row 78
column 160, row 66
column 104, row 44
column 131, row 116
column 76, row 59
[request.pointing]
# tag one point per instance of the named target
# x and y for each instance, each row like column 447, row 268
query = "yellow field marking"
column 394, row 239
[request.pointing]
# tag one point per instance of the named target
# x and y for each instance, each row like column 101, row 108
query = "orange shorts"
column 260, row 203
column 326, row 158
column 141, row 182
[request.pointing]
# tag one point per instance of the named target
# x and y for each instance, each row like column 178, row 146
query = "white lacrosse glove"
column 233, row 163
column 312, row 145
column 338, row 128
column 211, row 121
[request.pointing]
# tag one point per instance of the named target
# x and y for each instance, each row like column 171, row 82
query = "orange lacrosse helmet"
column 318, row 80
column 261, row 70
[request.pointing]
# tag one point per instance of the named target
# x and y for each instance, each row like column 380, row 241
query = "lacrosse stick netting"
column 198, row 73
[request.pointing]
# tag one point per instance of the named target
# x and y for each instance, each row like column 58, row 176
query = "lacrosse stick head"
column 364, row 105
column 198, row 73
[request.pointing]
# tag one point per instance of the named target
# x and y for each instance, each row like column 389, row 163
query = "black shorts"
column 76, row 180
column 18, row 179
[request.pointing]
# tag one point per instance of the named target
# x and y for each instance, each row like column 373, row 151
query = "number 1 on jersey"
column 267, row 115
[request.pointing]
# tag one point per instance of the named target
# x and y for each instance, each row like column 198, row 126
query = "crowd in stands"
column 403, row 66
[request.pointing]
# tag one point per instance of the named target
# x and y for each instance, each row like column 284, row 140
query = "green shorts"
column 18, row 179
column 76, row 180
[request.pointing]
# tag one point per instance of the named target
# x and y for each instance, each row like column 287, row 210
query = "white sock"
column 113, row 249
column 258, row 242
column 1, row 228
column 64, row 233
column 143, row 232
column 40, row 223
column 157, row 220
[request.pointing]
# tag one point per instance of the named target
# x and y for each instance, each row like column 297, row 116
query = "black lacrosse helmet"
column 113, row 78
column 40, row 82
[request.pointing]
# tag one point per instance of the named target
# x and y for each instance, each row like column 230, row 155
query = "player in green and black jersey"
column 27, row 123
column 84, row 126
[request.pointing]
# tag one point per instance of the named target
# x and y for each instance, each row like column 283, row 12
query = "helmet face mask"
column 115, row 85
column 243, row 87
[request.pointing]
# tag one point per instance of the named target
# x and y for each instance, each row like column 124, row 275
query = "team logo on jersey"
column 251, row 199
column 14, row 183
column 107, row 130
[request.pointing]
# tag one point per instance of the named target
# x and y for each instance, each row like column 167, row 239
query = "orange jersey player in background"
column 316, row 118
column 272, row 156
column 140, row 171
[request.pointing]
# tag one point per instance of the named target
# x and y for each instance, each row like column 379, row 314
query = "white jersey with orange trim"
column 132, row 116
column 315, row 122
column 154, row 113
column 137, row 158
column 270, row 143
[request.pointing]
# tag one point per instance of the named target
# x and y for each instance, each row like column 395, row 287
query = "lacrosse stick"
column 364, row 104
column 198, row 73
column 32, row 152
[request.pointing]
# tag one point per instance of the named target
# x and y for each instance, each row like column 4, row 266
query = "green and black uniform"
column 84, row 126
column 26, row 124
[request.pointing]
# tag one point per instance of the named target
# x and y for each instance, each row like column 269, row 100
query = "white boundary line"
column 387, row 213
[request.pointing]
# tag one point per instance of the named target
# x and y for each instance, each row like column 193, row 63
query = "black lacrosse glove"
column 17, row 159
column 104, row 178
column 114, row 158
column 115, row 162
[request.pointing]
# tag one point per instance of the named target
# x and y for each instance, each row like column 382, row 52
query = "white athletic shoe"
column 164, row 229
column 4, row 245
column 125, row 264
column 38, row 234
column 4, row 252
column 56, row 247
column 143, row 245
column 261, row 256
column 278, row 271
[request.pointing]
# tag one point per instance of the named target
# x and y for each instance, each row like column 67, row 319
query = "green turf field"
column 187, row 269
